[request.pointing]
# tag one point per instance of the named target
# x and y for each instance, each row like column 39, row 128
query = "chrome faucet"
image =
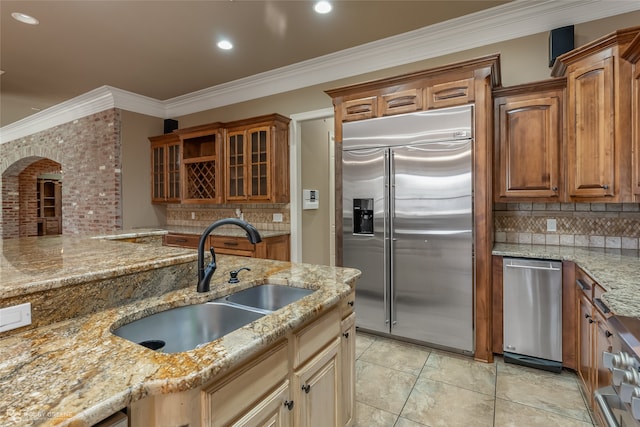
column 205, row 274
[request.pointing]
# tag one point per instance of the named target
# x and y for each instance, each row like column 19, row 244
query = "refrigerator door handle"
column 392, row 213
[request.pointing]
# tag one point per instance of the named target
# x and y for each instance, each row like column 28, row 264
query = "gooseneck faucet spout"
column 205, row 274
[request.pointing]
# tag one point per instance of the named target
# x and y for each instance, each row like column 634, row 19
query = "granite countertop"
column 225, row 230
column 76, row 372
column 616, row 270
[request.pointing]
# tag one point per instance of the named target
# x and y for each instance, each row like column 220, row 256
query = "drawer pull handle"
column 288, row 404
column 231, row 243
column 306, row 388
column 601, row 305
column 181, row 240
column 583, row 285
column 346, row 335
column 350, row 303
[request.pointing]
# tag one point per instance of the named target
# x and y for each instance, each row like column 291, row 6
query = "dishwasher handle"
column 532, row 267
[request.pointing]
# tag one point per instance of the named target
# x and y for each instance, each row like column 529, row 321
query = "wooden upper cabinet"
column 632, row 54
column 450, row 93
column 257, row 160
column 165, row 168
column 528, row 141
column 598, row 118
column 405, row 101
column 201, row 163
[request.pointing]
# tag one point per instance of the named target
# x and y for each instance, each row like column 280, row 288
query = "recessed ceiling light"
column 322, row 7
column 23, row 17
column 225, row 45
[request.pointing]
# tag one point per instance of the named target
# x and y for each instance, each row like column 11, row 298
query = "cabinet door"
column 590, row 135
column 173, row 173
column 317, row 389
column 529, row 135
column 158, row 173
column 636, row 127
column 235, row 170
column 348, row 376
column 272, row 411
column 602, row 342
column 258, row 163
column 584, row 342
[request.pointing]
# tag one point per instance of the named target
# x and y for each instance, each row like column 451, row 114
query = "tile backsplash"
column 597, row 225
column 259, row 215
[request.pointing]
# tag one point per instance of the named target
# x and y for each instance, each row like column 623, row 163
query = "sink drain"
column 156, row 345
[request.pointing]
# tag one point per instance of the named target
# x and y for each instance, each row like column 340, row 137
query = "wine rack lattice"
column 201, row 180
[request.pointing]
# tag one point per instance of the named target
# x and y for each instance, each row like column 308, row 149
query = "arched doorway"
column 32, row 198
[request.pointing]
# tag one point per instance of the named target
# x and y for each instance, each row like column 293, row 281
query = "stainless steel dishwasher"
column 532, row 309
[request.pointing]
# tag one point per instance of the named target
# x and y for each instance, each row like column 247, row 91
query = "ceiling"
column 164, row 49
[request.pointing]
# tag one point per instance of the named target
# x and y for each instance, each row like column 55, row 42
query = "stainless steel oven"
column 618, row 404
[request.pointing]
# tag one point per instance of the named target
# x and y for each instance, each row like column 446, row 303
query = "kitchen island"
column 67, row 368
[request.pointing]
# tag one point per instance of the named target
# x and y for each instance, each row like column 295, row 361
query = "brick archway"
column 19, row 202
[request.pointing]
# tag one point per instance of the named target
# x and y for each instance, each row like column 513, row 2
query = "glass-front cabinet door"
column 259, row 163
column 235, row 166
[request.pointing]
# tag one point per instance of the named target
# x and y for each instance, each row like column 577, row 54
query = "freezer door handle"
column 532, row 267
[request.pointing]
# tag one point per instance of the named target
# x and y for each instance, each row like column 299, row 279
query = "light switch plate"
column 277, row 217
column 551, row 224
column 15, row 317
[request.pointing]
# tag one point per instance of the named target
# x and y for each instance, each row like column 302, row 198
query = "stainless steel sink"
column 268, row 297
column 185, row 328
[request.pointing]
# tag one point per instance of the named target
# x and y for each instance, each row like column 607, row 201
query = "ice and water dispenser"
column 362, row 216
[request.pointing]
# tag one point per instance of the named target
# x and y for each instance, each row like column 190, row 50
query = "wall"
column 315, row 175
column 137, row 209
column 595, row 225
column 88, row 151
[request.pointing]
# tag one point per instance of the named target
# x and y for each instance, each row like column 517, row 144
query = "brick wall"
column 596, row 225
column 88, row 151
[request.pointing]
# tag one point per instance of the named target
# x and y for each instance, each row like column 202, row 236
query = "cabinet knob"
column 606, row 187
column 608, row 334
column 288, row 404
column 346, row 335
column 591, row 320
column 350, row 303
column 306, row 388
column 554, row 188
column 587, row 316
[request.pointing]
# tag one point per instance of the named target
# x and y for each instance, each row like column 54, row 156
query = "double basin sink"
column 189, row 327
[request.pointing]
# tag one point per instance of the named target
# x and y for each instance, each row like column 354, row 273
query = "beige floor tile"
column 368, row 416
column 557, row 393
column 403, row 422
column 437, row 404
column 461, row 371
column 397, row 355
column 381, row 387
column 511, row 414
column 363, row 341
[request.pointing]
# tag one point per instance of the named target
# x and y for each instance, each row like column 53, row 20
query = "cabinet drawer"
column 585, row 283
column 232, row 243
column 233, row 396
column 406, row 101
column 598, row 303
column 315, row 336
column 347, row 306
column 449, row 94
column 359, row 109
column 181, row 240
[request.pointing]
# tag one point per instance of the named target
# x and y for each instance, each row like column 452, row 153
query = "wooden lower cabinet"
column 316, row 389
column 275, row 247
column 593, row 336
column 300, row 381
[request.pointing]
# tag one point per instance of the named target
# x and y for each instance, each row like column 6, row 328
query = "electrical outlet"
column 277, row 217
column 15, row 317
column 193, row 215
column 551, row 224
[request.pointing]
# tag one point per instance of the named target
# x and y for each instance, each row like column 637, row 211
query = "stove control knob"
column 621, row 376
column 635, row 404
column 609, row 359
column 628, row 391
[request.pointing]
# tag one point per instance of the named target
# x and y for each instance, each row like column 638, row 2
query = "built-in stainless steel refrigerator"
column 408, row 224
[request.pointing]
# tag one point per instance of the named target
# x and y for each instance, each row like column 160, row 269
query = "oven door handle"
column 609, row 418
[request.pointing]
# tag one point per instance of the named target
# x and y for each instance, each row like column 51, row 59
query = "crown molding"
column 512, row 20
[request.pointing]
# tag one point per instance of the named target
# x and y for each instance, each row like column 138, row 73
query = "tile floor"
column 405, row 385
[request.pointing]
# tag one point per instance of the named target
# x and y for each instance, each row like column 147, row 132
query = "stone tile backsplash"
column 596, row 225
column 259, row 214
